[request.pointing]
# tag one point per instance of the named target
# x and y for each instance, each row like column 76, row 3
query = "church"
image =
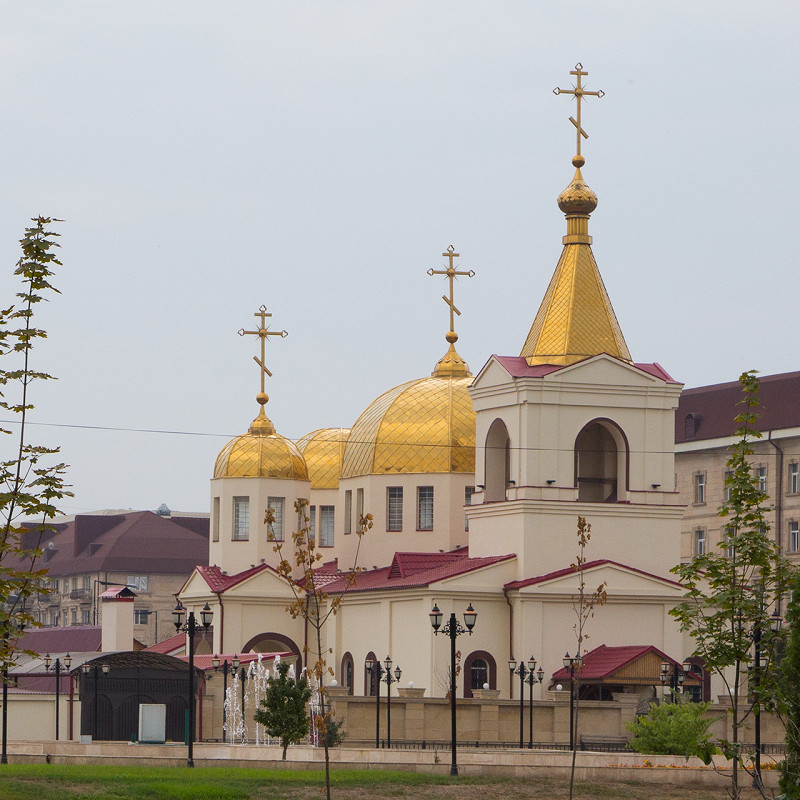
column 475, row 483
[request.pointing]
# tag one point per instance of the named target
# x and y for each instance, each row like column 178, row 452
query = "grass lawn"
column 85, row 782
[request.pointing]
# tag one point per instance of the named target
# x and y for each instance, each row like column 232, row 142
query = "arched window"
column 479, row 668
column 497, row 464
column 371, row 684
column 347, row 672
column 601, row 462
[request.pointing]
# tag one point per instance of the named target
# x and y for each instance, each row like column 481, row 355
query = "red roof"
column 219, row 581
column 76, row 639
column 518, row 367
column 118, row 593
column 417, row 569
column 713, row 408
column 560, row 573
column 168, row 646
column 205, row 662
column 603, row 661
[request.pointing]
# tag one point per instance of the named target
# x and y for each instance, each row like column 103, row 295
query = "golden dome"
column 426, row 425
column 577, row 198
column 323, row 451
column 261, row 453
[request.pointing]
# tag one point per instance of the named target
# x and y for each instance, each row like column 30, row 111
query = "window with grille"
column 348, row 511
column 326, row 526
column 359, row 504
column 394, row 508
column 700, row 542
column 479, row 673
column 794, row 478
column 312, row 522
column 276, row 529
column 424, row 508
column 241, row 519
column 700, row 487
column 468, row 492
column 215, row 521
column 794, row 537
column 761, row 472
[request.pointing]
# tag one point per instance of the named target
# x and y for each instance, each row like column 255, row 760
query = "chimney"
column 117, row 619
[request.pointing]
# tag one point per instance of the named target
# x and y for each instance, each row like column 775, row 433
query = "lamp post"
column 389, row 680
column 95, row 670
column 572, row 663
column 759, row 663
column 533, row 677
column 190, row 627
column 453, row 629
column 234, row 665
column 676, row 676
column 58, row 668
column 522, row 671
column 375, row 678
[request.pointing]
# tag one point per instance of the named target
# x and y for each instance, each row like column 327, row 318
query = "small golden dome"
column 426, row 425
column 323, row 451
column 577, row 198
column 261, row 453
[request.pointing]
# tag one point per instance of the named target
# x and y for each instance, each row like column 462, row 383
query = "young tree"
column 311, row 601
column 285, row 713
column 679, row 728
column 790, row 705
column 584, row 605
column 30, row 484
column 730, row 592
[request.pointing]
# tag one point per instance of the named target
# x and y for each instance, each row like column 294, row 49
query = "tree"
column 584, row 605
column 679, row 728
column 30, row 485
column 311, row 601
column 730, row 592
column 790, row 682
column 285, row 713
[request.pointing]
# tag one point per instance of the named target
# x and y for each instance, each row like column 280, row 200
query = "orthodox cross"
column 262, row 333
column 579, row 93
column 451, row 273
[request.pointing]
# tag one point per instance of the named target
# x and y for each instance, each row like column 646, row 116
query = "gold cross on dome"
column 263, row 332
column 451, row 273
column 579, row 93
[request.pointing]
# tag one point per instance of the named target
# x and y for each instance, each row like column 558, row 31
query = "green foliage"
column 30, row 484
column 678, row 729
column 790, row 682
column 730, row 592
column 330, row 730
column 284, row 713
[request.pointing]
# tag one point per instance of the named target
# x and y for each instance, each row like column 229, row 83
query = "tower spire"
column 451, row 365
column 261, row 424
column 576, row 319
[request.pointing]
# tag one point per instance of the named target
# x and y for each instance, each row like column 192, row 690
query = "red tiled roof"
column 205, row 662
column 714, row 407
column 416, row 572
column 219, row 581
column 560, row 573
column 76, row 639
column 168, row 646
column 603, row 661
column 118, row 593
column 518, row 367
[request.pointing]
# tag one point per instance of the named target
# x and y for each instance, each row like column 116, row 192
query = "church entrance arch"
column 272, row 642
column 601, row 462
column 497, row 464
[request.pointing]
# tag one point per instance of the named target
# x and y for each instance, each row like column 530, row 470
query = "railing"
column 79, row 594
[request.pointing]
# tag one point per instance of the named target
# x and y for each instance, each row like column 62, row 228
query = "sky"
column 319, row 157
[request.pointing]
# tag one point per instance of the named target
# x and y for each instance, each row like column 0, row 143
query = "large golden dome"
column 426, row 425
column 323, row 451
column 261, row 453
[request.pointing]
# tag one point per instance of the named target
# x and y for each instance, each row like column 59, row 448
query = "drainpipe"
column 221, row 622
column 778, row 499
column 510, row 637
column 200, row 707
column 71, row 706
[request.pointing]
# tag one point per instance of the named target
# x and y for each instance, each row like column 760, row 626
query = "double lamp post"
column 58, row 668
column 530, row 676
column 383, row 674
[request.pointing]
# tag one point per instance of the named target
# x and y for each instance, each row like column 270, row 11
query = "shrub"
column 677, row 729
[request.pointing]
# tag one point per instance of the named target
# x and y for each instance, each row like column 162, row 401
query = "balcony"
column 79, row 594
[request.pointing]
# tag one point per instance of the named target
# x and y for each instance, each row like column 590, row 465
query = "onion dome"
column 261, row 453
column 425, row 425
column 323, row 451
column 577, row 198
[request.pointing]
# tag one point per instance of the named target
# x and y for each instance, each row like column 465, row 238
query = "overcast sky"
column 319, row 157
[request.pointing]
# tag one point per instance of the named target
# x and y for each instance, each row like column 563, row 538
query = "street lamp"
column 95, row 670
column 775, row 622
column 375, row 679
column 676, row 676
column 526, row 675
column 389, row 680
column 234, row 665
column 190, row 627
column 536, row 677
column 453, row 628
column 572, row 663
column 58, row 668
